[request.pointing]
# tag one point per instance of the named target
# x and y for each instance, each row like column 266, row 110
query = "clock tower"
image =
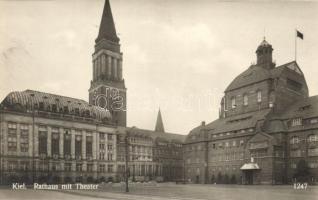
column 107, row 88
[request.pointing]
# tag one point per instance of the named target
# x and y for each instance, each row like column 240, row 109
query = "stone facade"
column 267, row 124
column 48, row 138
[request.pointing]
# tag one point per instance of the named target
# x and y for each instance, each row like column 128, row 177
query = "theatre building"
column 267, row 124
column 49, row 138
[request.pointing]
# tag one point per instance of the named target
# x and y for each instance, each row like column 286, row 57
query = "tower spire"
column 159, row 123
column 107, row 28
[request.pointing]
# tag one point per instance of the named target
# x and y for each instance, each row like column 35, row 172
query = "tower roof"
column 159, row 123
column 107, row 28
column 264, row 44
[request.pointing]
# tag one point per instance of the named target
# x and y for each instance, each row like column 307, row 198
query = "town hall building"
column 49, row 138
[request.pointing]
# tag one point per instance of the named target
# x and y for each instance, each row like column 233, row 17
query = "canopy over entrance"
column 250, row 166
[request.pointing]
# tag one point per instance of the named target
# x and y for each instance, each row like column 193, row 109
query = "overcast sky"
column 179, row 55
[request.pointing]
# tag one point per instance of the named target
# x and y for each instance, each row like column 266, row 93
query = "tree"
column 233, row 179
column 302, row 171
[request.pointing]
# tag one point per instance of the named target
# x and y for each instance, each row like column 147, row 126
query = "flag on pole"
column 300, row 35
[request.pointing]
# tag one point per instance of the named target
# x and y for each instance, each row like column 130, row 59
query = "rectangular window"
column 313, row 152
column 89, row 167
column 110, row 168
column 314, row 121
column 68, row 167
column 78, row 145
column 55, row 166
column 12, row 137
column 109, row 137
column 110, row 147
column 67, row 143
column 110, row 157
column 12, row 165
column 42, row 140
column 233, row 102
column 78, row 167
column 297, row 122
column 102, row 136
column 55, row 144
column 259, row 96
column 24, row 165
column 102, row 168
column 245, row 100
column 89, row 146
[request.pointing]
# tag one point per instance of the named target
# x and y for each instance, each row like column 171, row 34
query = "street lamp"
column 126, row 160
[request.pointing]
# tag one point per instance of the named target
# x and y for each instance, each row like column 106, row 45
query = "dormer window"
column 245, row 100
column 297, row 122
column 259, row 96
column 233, row 102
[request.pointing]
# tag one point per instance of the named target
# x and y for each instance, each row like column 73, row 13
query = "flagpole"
column 295, row 45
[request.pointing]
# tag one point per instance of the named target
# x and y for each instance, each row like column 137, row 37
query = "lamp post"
column 126, row 160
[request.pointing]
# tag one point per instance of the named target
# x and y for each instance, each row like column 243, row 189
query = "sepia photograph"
column 158, row 99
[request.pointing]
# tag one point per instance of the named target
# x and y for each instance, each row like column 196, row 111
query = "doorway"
column 249, row 177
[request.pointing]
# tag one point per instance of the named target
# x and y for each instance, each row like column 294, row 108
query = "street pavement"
column 168, row 191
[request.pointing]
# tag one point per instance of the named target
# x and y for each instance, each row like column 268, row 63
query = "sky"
column 179, row 55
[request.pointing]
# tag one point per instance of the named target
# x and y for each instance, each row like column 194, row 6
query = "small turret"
column 264, row 55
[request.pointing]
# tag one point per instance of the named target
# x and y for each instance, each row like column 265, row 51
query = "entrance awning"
column 250, row 166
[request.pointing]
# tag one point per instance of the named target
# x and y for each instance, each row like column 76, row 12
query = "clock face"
column 101, row 101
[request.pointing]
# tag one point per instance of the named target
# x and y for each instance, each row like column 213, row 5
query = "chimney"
column 203, row 123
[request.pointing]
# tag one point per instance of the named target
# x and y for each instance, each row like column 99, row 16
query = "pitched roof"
column 107, row 28
column 172, row 137
column 30, row 99
column 305, row 108
column 159, row 124
column 223, row 125
column 256, row 74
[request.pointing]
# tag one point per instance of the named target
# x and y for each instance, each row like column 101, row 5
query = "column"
column 109, row 64
column 49, row 139
column 114, row 147
column 30, row 140
column 106, row 146
column 36, row 141
column 84, row 145
column 97, row 145
column 120, row 69
column 114, row 63
column 94, row 144
column 73, row 144
column 4, row 141
column 18, row 139
column 61, row 143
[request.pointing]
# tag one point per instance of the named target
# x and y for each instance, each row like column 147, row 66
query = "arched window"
column 259, row 96
column 312, row 138
column 294, row 140
column 245, row 100
column 233, row 102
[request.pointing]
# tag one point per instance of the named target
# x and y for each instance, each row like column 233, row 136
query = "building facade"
column 48, row 138
column 267, row 124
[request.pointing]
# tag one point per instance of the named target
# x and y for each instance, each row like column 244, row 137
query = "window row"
column 310, row 138
column 246, row 99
